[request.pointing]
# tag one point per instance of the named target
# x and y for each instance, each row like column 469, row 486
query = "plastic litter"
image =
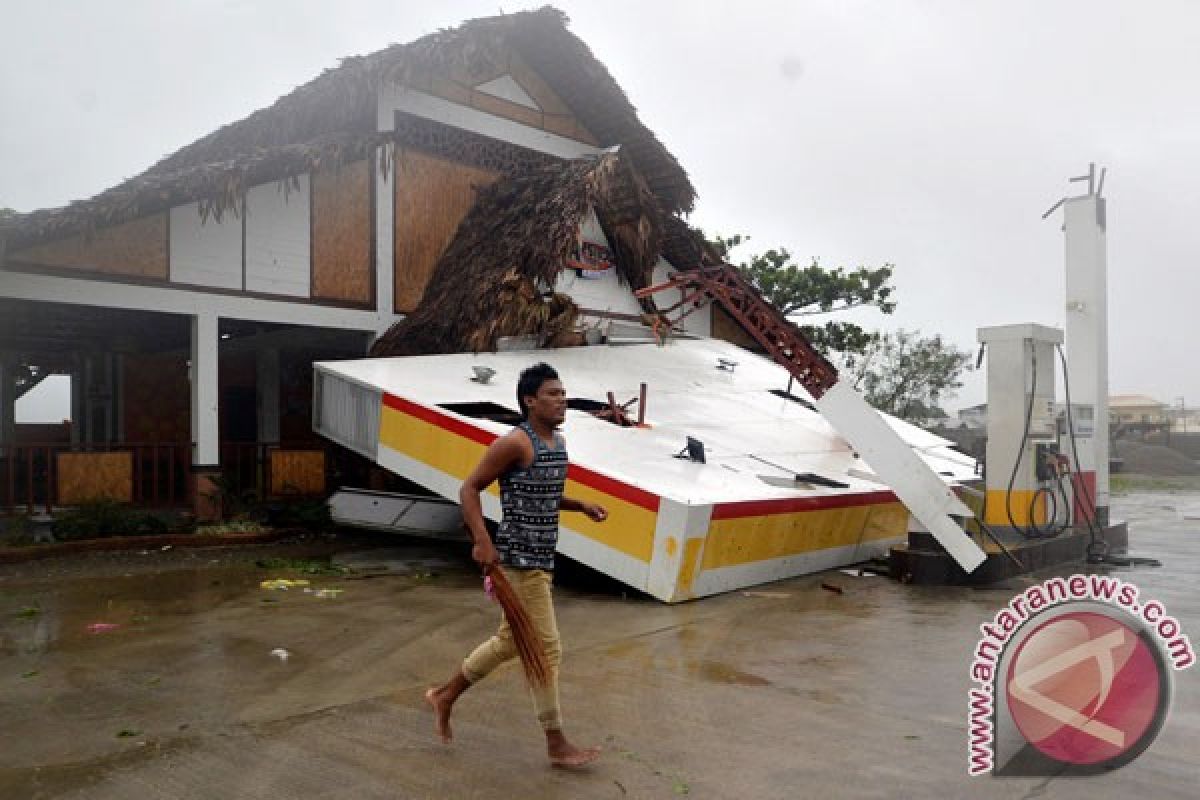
column 282, row 584
column 771, row 595
column 102, row 627
column 327, row 593
column 489, row 588
column 829, row 587
column 281, row 654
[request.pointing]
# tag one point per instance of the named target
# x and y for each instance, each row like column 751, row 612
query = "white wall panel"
column 603, row 293
column 206, row 253
column 277, row 239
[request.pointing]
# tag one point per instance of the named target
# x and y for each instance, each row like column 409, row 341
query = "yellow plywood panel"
column 137, row 248
column 432, row 197
column 87, row 477
column 341, row 234
column 297, row 472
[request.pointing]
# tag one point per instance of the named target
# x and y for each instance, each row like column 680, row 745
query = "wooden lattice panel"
column 432, row 197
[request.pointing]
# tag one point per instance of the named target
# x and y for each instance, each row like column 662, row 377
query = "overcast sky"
column 931, row 135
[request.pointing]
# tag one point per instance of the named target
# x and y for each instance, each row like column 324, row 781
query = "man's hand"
column 594, row 511
column 485, row 554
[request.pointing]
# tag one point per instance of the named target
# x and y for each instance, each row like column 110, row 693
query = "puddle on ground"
column 39, row 617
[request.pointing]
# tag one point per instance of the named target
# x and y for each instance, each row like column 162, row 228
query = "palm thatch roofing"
column 333, row 117
column 495, row 277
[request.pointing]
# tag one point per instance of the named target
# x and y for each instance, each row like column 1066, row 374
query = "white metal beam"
column 926, row 495
column 110, row 294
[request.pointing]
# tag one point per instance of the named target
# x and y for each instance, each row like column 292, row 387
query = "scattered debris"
column 140, row 619
column 29, row 612
column 770, row 595
column 165, row 548
column 128, row 733
column 281, row 654
column 328, row 593
column 33, row 673
column 829, row 587
column 282, row 584
column 859, row 572
column 102, row 627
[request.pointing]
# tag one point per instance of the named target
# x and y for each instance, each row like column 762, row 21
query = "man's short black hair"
column 531, row 381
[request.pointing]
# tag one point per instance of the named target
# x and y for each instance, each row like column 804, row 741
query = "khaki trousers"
column 533, row 587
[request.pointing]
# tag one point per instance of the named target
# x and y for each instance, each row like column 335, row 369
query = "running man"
column 531, row 464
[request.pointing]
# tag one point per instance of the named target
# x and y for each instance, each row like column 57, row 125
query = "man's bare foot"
column 565, row 754
column 441, row 714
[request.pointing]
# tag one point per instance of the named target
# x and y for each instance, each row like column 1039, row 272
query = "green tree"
column 813, row 290
column 907, row 375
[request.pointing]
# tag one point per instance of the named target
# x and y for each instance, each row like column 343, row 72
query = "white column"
column 203, row 373
column 267, row 393
column 384, row 233
column 1087, row 338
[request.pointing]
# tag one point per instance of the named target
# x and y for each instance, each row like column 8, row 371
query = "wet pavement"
column 792, row 691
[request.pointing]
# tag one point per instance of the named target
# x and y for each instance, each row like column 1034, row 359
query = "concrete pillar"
column 1085, row 224
column 206, row 449
column 267, row 393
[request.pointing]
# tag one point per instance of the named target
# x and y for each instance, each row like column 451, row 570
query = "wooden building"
column 189, row 302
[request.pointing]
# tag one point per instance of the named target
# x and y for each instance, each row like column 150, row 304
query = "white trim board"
column 401, row 98
column 112, row 294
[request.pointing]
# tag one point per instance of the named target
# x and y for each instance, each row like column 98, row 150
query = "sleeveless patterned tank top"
column 529, row 497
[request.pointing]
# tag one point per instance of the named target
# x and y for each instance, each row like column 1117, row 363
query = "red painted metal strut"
column 778, row 335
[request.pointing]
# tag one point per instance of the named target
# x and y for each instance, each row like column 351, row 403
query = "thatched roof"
column 339, row 106
column 494, row 278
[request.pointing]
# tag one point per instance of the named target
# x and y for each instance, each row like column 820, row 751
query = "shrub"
column 100, row 518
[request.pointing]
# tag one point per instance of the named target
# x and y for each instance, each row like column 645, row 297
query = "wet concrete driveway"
column 792, row 692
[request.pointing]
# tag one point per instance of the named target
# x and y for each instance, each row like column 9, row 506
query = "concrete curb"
column 18, row 555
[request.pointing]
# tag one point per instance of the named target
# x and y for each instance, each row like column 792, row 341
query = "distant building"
column 973, row 417
column 1138, row 409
